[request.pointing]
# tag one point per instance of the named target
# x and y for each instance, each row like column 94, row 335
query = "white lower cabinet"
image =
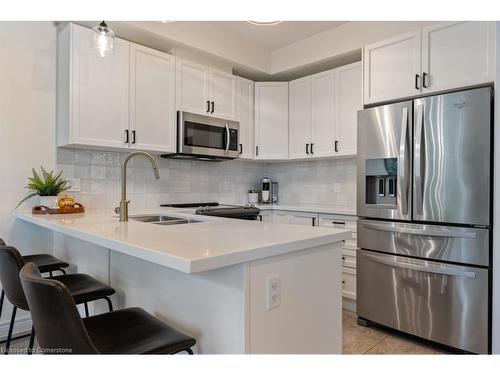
column 349, row 251
column 304, row 218
column 281, row 217
column 265, row 216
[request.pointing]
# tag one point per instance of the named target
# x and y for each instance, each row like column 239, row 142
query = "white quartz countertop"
column 196, row 247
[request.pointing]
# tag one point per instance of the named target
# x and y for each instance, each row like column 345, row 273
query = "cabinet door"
column 304, row 218
column 245, row 113
column 392, row 68
column 265, row 216
column 192, row 88
column 223, row 94
column 348, row 83
column 458, row 54
column 323, row 114
column 99, row 92
column 152, row 99
column 300, row 118
column 281, row 217
column 271, row 120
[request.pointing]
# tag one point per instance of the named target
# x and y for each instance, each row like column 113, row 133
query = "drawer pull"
column 338, row 222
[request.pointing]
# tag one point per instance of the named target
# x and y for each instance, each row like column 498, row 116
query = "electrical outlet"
column 273, row 292
column 336, row 187
column 75, row 184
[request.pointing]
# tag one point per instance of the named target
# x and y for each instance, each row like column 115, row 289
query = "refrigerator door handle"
column 422, row 232
column 403, row 160
column 451, row 271
column 419, row 158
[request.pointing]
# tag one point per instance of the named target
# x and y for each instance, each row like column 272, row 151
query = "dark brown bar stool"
column 60, row 329
column 44, row 262
column 83, row 288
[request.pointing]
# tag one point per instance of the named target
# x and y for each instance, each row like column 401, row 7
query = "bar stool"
column 44, row 262
column 82, row 288
column 60, row 328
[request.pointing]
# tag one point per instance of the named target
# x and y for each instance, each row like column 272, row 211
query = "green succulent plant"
column 46, row 185
column 252, row 190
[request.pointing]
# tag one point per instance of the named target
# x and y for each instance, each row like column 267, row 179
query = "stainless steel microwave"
column 206, row 138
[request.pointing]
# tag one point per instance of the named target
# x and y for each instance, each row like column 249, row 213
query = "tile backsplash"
column 303, row 182
column 313, row 182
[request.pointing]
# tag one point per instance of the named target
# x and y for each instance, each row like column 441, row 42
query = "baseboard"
column 21, row 326
column 349, row 304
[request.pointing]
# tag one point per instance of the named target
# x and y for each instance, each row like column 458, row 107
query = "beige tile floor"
column 369, row 340
column 355, row 340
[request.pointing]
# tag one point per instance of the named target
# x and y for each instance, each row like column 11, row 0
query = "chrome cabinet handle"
column 227, row 137
column 419, row 160
column 208, row 106
column 312, row 150
column 424, row 81
column 336, row 146
column 126, row 136
column 422, row 268
column 422, row 232
column 404, row 162
column 307, row 148
column 213, row 107
column 417, row 78
column 133, row 136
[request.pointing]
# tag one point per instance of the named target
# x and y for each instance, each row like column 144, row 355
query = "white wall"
column 27, row 123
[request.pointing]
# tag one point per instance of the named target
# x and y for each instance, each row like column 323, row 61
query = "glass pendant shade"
column 104, row 39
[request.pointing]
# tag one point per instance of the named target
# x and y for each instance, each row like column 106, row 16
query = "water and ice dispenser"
column 381, row 181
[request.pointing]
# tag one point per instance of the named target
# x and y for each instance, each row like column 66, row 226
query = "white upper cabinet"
column 392, row 68
column 152, row 99
column 271, row 120
column 457, row 54
column 323, row 114
column 92, row 91
column 245, row 114
column 192, row 87
column 223, row 94
column 205, row 91
column 300, row 118
column 444, row 56
column 348, row 84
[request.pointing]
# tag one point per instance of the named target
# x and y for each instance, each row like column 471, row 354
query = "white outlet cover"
column 273, row 292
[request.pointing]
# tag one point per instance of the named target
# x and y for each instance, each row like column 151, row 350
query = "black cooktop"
column 189, row 205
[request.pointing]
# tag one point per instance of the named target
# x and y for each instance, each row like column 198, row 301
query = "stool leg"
column 110, row 305
column 50, row 273
column 11, row 327
column 32, row 340
column 63, row 271
column 190, row 352
column 86, row 310
column 1, row 301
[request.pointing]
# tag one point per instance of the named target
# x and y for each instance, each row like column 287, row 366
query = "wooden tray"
column 44, row 210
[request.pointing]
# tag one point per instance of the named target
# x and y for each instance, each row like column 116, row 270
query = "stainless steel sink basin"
column 162, row 219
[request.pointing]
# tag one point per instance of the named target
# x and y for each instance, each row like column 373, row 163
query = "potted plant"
column 47, row 187
column 253, row 195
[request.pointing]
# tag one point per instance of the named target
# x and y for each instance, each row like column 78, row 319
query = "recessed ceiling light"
column 265, row 23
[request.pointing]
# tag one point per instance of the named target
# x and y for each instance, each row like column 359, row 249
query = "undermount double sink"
column 162, row 219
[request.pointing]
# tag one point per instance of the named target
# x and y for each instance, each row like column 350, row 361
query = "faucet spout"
column 124, row 202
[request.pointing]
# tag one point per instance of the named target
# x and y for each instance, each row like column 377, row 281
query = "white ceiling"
column 280, row 35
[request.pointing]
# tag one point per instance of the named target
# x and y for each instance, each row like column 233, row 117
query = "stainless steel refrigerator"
column 424, row 183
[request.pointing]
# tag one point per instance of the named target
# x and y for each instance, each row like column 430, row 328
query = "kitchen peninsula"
column 237, row 286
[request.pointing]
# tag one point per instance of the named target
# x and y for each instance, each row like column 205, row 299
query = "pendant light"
column 104, row 39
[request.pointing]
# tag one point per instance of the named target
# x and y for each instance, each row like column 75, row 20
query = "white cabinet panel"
column 391, row 68
column 304, row 218
column 271, row 120
column 458, row 54
column 152, row 99
column 349, row 258
column 281, row 217
column 223, row 94
column 245, row 114
column 348, row 283
column 323, row 114
column 300, row 118
column 348, row 83
column 192, row 87
column 99, row 91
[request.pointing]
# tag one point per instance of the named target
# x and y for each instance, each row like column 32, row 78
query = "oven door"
column 207, row 136
column 441, row 302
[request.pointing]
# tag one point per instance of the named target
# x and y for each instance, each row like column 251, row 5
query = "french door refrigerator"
column 424, row 173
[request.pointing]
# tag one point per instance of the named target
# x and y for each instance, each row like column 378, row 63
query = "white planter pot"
column 253, row 197
column 50, row 202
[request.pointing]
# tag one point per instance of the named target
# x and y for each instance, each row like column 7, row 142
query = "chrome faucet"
column 123, row 209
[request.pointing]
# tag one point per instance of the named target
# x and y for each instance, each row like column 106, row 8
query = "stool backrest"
column 2, row 242
column 58, row 325
column 11, row 263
